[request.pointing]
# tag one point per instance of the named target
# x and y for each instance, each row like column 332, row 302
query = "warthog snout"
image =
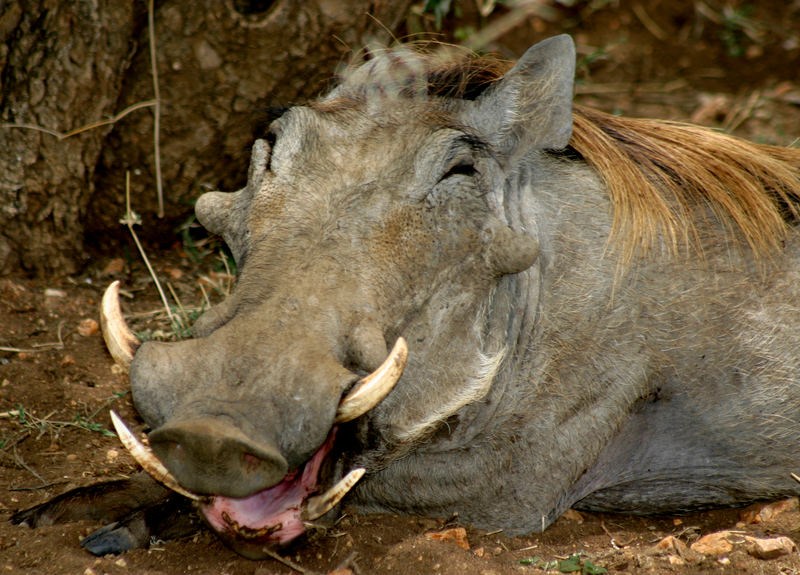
column 209, row 455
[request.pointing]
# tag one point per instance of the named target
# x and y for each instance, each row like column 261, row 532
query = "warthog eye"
column 271, row 138
column 464, row 167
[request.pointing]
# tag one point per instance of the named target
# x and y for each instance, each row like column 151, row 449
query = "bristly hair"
column 657, row 172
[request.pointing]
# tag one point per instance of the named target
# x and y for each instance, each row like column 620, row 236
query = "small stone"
column 479, row 551
column 668, row 543
column 457, row 535
column 207, row 57
column 724, row 561
column 72, row 457
column 673, row 546
column 175, row 273
column 761, row 512
column 344, row 571
column 769, row 548
column 67, row 360
column 675, row 560
column 713, row 544
column 88, row 327
column 53, row 292
column 111, row 455
column 89, row 571
column 121, row 562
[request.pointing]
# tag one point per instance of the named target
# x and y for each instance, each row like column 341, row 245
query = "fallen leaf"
column 114, row 267
column 457, row 535
column 572, row 515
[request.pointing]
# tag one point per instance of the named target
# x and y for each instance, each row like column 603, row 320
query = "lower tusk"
column 121, row 342
column 319, row 505
column 147, row 459
column 371, row 390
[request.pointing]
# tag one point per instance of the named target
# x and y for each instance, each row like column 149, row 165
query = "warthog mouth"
column 272, row 517
column 277, row 515
column 281, row 513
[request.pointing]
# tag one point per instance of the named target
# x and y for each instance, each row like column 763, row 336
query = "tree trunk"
column 69, row 64
column 62, row 64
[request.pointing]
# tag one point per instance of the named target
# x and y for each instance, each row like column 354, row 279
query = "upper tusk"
column 121, row 342
column 371, row 390
column 319, row 505
column 145, row 457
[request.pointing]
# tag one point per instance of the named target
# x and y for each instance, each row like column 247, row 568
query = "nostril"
column 250, row 462
column 252, row 7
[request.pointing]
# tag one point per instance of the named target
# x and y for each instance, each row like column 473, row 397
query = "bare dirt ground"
column 727, row 65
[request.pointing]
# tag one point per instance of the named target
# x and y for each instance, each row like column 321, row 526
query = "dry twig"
column 157, row 108
column 288, row 562
column 63, row 135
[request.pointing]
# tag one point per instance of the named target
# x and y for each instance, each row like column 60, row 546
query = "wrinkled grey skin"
column 540, row 376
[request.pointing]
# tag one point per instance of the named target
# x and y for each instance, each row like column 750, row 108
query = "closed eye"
column 271, row 138
column 463, row 168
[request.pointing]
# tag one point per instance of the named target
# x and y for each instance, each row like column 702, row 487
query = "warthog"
column 474, row 297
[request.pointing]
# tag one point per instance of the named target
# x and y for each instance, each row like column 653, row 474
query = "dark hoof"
column 112, row 539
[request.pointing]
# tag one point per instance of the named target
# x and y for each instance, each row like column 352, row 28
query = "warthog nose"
column 211, row 456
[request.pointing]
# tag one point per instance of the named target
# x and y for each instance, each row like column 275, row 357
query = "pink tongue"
column 272, row 514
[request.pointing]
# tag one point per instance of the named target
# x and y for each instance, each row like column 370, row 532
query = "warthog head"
column 371, row 218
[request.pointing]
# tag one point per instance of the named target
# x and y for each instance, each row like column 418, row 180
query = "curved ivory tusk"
column 145, row 457
column 319, row 505
column 121, row 342
column 371, row 390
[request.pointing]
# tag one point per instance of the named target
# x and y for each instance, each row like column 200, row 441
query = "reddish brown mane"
column 657, row 172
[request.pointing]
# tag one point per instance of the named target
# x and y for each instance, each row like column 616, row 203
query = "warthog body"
column 599, row 312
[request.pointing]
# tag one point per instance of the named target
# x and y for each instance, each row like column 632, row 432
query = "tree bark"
column 68, row 64
column 62, row 64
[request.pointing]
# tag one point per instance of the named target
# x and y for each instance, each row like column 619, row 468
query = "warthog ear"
column 222, row 213
column 508, row 251
column 226, row 213
column 213, row 210
column 532, row 104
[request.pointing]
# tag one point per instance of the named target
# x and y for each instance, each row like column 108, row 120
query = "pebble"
column 88, row 327
column 714, row 543
column 769, row 548
column 761, row 512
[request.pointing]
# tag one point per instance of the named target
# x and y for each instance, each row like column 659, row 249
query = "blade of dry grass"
column 130, row 220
